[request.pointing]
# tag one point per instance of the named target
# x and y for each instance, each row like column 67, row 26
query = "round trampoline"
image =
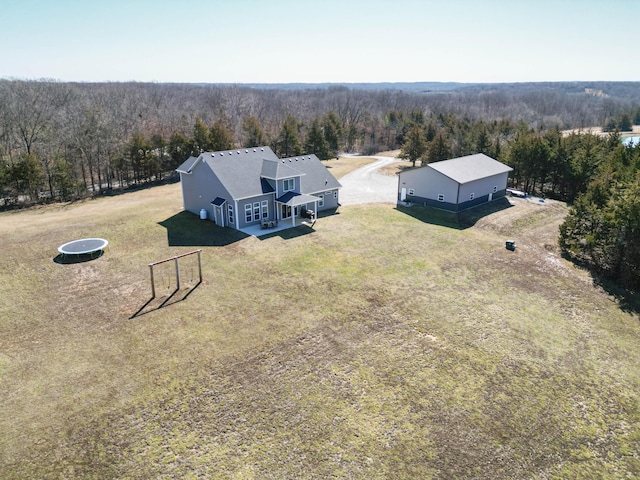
column 84, row 246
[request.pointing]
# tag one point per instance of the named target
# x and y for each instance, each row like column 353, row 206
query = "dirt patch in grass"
column 423, row 349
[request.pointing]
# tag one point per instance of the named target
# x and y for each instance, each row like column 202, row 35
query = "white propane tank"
column 203, row 214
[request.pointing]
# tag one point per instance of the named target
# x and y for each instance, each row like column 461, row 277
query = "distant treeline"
column 62, row 141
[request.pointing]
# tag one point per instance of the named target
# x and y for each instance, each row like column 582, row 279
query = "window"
column 320, row 200
column 265, row 208
column 247, row 212
column 335, row 194
column 471, row 196
column 230, row 212
column 495, row 189
column 289, row 184
column 256, row 211
column 411, row 191
column 441, row 197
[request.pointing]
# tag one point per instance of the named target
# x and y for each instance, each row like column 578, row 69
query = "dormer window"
column 289, row 184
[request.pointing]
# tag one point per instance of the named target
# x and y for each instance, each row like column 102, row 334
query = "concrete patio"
column 258, row 231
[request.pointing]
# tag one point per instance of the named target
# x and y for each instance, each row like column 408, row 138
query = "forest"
column 65, row 141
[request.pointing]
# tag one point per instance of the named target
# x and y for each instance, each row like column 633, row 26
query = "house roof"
column 187, row 165
column 276, row 170
column 243, row 172
column 292, row 199
column 317, row 177
column 470, row 168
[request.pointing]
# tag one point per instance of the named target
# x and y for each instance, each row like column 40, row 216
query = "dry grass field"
column 384, row 343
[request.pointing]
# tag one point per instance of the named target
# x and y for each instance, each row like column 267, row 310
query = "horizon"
column 337, row 42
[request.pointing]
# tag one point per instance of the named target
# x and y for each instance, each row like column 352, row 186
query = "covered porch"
column 289, row 209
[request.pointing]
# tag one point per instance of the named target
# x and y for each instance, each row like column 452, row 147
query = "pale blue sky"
column 284, row 41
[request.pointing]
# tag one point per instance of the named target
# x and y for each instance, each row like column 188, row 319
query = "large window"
column 289, row 184
column 230, row 211
column 320, row 200
column 247, row 212
column 265, row 208
column 256, row 211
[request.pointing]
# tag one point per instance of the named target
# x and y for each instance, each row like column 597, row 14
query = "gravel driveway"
column 365, row 185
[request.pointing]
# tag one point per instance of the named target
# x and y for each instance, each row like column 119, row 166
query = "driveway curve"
column 366, row 185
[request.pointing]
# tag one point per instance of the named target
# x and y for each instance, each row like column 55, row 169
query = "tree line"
column 66, row 140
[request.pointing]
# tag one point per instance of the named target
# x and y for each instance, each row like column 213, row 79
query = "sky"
column 319, row 41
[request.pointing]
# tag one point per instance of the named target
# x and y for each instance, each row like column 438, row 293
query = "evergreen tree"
column 439, row 148
column 415, row 145
column 62, row 178
column 288, row 142
column 180, row 148
column 220, row 136
column 333, row 131
column 625, row 124
column 316, row 143
column 201, row 138
column 252, row 129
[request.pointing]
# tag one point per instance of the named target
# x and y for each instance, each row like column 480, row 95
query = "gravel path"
column 365, row 185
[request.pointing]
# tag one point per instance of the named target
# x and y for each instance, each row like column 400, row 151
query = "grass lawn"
column 385, row 343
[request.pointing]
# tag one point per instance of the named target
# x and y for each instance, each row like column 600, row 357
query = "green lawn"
column 385, row 343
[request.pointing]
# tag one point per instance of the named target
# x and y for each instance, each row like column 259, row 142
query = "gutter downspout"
column 237, row 216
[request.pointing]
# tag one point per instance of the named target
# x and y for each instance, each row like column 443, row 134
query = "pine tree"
column 415, row 145
column 316, row 143
column 288, row 142
column 251, row 127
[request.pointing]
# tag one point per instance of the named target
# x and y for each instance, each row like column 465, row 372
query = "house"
column 455, row 184
column 248, row 187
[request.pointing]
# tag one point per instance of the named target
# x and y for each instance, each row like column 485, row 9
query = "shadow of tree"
column 459, row 221
column 627, row 300
column 185, row 229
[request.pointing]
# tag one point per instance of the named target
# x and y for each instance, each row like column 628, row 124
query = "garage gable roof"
column 470, row 168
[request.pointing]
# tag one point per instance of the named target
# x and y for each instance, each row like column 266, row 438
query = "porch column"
column 293, row 216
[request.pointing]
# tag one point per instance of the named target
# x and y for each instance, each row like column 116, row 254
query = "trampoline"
column 84, row 246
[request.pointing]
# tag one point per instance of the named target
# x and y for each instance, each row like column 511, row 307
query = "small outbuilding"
column 455, row 184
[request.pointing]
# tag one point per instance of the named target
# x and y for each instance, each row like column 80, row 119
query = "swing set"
column 168, row 276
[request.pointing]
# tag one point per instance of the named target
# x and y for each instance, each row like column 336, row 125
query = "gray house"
column 247, row 187
column 455, row 184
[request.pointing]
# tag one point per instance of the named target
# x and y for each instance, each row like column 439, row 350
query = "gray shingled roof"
column 187, row 165
column 470, row 168
column 277, row 170
column 317, row 178
column 292, row 199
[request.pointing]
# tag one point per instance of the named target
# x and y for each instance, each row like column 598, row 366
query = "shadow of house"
column 187, row 230
column 460, row 220
column 289, row 233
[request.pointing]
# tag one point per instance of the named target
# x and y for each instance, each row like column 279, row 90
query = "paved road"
column 365, row 185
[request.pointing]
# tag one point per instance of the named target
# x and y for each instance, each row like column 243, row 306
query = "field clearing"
column 385, row 343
